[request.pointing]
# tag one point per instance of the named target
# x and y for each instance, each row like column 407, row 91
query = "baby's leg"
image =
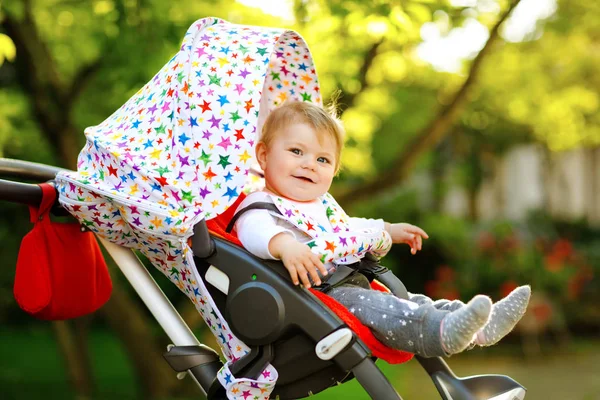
column 398, row 323
column 441, row 304
column 450, row 305
column 505, row 315
column 459, row 326
column 408, row 326
column 419, row 298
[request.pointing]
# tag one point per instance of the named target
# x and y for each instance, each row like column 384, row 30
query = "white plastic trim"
column 332, row 344
column 515, row 394
column 217, row 278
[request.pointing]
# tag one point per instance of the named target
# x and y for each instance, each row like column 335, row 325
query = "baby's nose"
column 309, row 164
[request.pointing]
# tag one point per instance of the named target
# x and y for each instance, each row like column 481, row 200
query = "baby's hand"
column 410, row 234
column 297, row 259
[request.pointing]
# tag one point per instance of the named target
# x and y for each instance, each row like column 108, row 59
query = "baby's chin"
column 299, row 194
column 301, row 197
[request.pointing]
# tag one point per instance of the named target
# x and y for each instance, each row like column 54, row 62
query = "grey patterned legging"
column 410, row 325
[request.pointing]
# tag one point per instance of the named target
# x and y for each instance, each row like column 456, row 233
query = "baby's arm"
column 260, row 235
column 400, row 233
column 255, row 229
column 406, row 233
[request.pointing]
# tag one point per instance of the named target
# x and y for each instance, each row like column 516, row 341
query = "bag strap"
column 259, row 205
column 48, row 198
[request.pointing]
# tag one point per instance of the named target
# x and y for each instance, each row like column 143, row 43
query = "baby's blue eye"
column 296, row 151
column 323, row 160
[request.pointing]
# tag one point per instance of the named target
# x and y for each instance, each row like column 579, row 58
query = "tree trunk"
column 473, row 206
column 436, row 130
column 153, row 374
column 68, row 147
column 76, row 360
column 347, row 100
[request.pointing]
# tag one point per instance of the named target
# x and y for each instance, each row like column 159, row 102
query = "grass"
column 32, row 369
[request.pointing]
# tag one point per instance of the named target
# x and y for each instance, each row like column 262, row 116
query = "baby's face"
column 296, row 165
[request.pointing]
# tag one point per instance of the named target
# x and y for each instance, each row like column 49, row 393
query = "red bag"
column 61, row 272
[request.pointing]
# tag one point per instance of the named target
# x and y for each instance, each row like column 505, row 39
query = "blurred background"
column 477, row 120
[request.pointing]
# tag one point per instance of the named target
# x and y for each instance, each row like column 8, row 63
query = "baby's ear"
column 261, row 154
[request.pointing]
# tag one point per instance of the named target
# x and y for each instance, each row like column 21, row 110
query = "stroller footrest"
column 202, row 363
column 182, row 358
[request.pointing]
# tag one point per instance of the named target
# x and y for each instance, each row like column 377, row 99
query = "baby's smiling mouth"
column 304, row 178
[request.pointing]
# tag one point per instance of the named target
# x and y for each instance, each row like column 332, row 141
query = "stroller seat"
column 282, row 322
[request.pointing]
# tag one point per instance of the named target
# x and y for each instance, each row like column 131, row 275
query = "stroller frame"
column 187, row 356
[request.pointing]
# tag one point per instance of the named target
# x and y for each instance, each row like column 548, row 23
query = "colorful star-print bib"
column 179, row 151
column 337, row 244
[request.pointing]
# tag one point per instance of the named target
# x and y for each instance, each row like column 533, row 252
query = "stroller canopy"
column 180, row 149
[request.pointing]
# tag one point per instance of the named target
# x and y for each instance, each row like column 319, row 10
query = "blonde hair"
column 324, row 122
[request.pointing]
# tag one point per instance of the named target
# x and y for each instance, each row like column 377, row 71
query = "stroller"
column 164, row 174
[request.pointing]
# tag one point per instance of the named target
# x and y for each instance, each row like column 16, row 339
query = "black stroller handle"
column 27, row 170
column 24, row 193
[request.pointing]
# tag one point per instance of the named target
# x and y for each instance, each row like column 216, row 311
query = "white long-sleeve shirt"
column 256, row 228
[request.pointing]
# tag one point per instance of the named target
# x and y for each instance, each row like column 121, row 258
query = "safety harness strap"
column 259, row 205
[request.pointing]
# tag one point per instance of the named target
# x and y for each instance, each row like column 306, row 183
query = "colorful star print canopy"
column 183, row 144
column 179, row 150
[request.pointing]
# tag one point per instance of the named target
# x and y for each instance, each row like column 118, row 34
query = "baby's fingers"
column 418, row 231
column 413, row 248
column 317, row 262
column 312, row 271
column 293, row 274
column 303, row 274
column 415, row 244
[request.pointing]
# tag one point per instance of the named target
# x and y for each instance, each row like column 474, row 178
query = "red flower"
column 444, row 273
column 542, row 312
column 507, row 287
column 511, row 242
column 574, row 287
column 431, row 288
column 562, row 248
column 553, row 262
column 486, row 241
column 577, row 281
column 450, row 294
column 555, row 259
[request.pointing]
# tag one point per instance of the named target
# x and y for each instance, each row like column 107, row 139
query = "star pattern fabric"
column 335, row 243
column 179, row 151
